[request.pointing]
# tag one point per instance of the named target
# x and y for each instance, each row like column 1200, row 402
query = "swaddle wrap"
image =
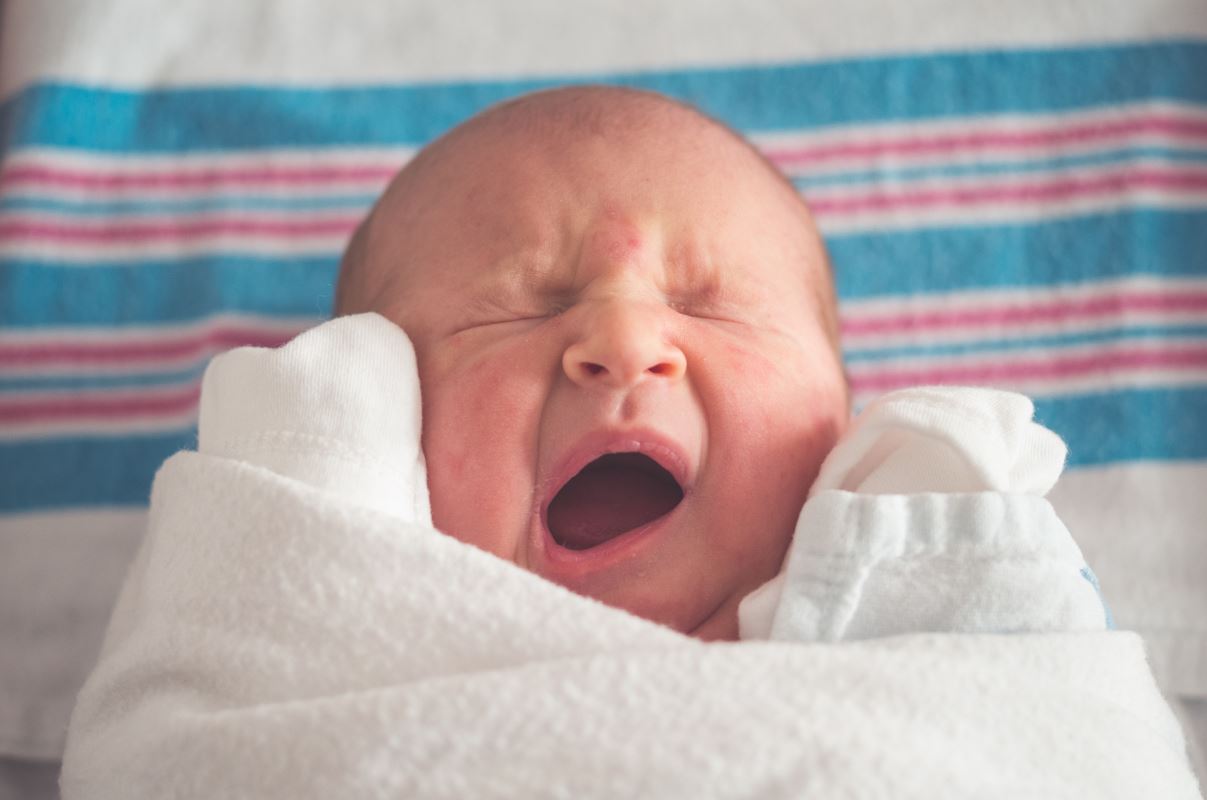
column 277, row 639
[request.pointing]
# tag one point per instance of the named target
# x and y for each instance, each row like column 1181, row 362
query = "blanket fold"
column 273, row 641
column 287, row 632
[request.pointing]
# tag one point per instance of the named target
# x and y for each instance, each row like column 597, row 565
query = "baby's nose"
column 621, row 345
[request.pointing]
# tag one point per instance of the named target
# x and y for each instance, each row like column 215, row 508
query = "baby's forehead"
column 673, row 149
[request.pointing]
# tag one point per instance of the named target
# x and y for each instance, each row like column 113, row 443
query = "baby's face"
column 648, row 290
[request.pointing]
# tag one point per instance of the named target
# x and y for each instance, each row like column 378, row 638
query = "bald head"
column 560, row 117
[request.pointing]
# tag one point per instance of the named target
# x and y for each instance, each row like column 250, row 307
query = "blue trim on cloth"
column 1089, row 575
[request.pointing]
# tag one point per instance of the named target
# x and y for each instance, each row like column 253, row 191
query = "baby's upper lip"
column 663, row 449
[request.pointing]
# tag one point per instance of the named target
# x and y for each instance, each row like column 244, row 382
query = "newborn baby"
column 618, row 322
column 627, row 345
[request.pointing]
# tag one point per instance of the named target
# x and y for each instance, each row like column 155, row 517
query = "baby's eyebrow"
column 695, row 277
column 521, row 278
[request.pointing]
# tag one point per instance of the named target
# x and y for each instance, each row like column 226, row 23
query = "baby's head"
column 596, row 271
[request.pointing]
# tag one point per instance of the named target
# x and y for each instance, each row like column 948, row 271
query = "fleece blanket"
column 294, row 627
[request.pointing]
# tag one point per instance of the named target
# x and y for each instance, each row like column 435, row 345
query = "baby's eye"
column 689, row 309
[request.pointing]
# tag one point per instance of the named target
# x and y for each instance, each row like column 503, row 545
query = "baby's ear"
column 337, row 407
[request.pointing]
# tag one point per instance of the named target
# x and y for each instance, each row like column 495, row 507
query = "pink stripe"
column 945, row 143
column 1007, row 373
column 83, row 352
column 1032, row 312
column 49, row 409
column 1170, row 179
column 192, row 179
column 177, row 230
column 1049, row 190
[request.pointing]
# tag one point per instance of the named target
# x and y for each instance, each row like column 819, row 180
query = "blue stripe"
column 1134, row 425
column 84, row 382
column 1142, row 333
column 1129, row 425
column 871, row 264
column 68, row 473
column 33, row 294
column 1030, row 166
column 751, row 98
column 112, row 207
column 1088, row 248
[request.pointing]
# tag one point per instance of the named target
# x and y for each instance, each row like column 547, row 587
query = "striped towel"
column 1027, row 213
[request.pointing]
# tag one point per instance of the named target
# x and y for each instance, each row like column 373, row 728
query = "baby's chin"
column 720, row 626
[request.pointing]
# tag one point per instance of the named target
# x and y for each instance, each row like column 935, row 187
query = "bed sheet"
column 1011, row 198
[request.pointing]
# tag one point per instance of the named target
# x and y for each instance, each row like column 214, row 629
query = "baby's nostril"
column 594, row 369
column 660, row 369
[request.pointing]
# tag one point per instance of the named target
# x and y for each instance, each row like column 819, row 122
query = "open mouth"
column 614, row 494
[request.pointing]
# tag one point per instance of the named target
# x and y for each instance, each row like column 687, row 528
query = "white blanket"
column 289, row 631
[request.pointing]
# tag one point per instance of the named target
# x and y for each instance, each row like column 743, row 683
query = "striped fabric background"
column 1035, row 220
column 1030, row 216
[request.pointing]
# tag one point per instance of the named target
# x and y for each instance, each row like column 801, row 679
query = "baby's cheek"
column 479, row 423
column 776, row 414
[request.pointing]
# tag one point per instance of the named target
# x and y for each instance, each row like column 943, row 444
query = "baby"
column 618, row 324
column 598, row 271
column 627, row 343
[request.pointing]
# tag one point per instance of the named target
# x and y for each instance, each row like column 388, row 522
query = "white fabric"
column 929, row 516
column 367, row 41
column 1142, row 528
column 59, row 575
column 945, row 439
column 291, row 412
column 275, row 639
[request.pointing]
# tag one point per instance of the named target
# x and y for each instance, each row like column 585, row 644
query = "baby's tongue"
column 611, row 495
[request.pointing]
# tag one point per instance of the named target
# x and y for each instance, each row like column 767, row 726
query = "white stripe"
column 86, row 255
column 132, row 43
column 222, row 168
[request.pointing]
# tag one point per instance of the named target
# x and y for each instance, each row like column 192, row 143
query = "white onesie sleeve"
column 929, row 516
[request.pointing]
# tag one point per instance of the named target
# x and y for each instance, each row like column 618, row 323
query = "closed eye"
column 698, row 312
column 511, row 320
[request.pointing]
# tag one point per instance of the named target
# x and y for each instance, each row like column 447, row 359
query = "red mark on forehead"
column 616, row 236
